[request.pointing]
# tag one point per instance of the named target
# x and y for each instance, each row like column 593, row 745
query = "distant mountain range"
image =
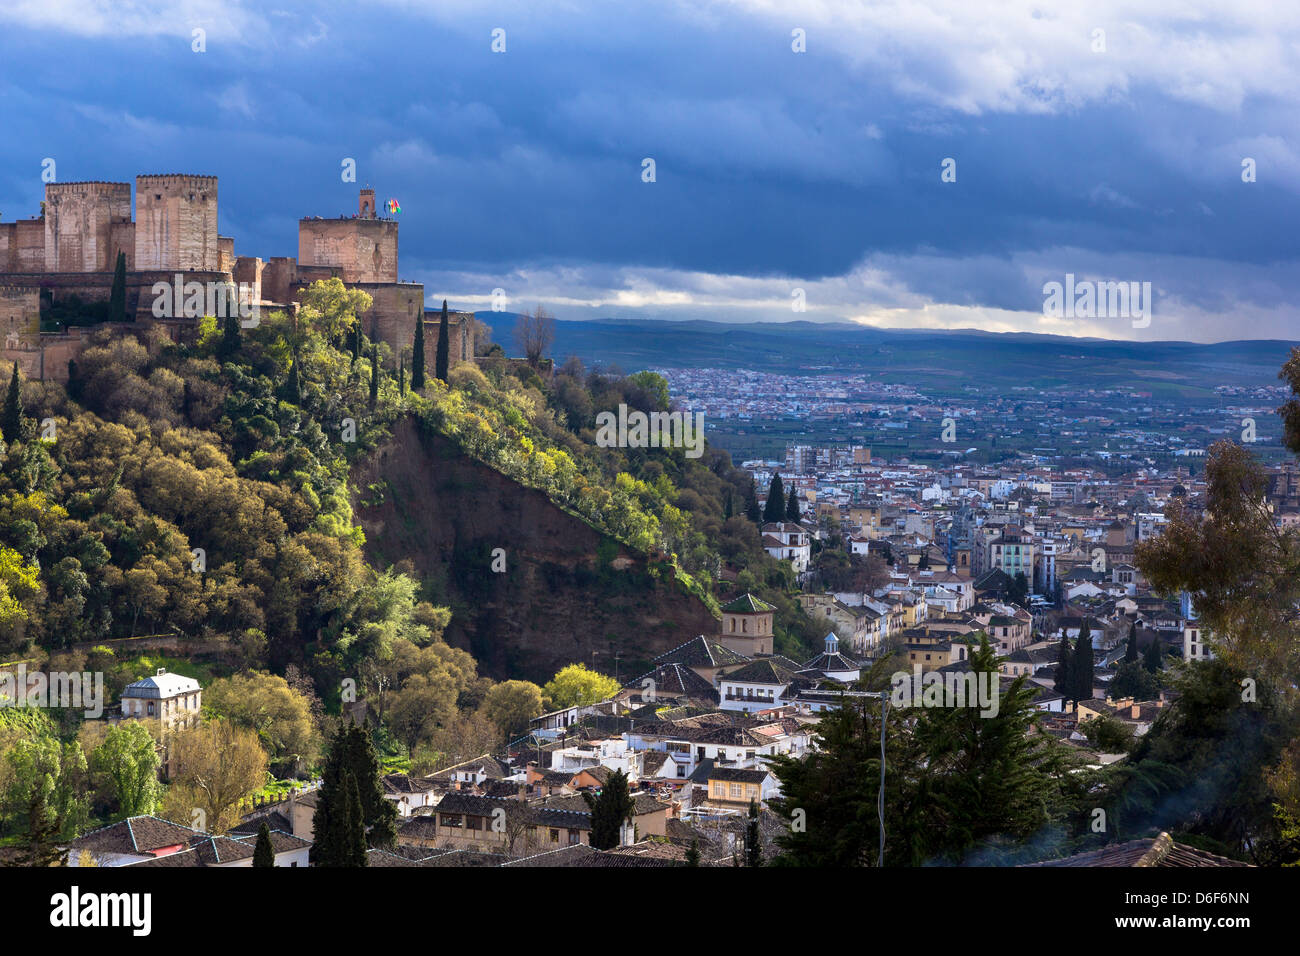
column 942, row 361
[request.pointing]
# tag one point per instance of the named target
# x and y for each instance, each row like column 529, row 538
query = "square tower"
column 176, row 223
column 747, row 626
column 79, row 221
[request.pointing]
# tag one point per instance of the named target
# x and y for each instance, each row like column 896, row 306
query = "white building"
column 171, row 698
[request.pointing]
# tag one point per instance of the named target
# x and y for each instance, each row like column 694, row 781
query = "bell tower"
column 366, row 204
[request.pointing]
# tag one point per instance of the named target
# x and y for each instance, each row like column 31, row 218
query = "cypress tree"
column 11, row 421
column 230, row 338
column 753, row 841
column 444, row 346
column 1154, row 658
column 117, row 295
column 355, row 847
column 379, row 815
column 401, row 376
column 417, row 356
column 609, row 811
column 1131, row 652
column 752, row 510
column 792, row 507
column 1062, row 684
column 74, row 381
column 1082, row 666
column 374, row 374
column 693, row 854
column 263, row 853
column 293, row 388
column 356, row 341
column 774, row 513
column 727, row 507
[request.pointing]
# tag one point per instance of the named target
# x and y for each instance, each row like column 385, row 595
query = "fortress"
column 69, row 252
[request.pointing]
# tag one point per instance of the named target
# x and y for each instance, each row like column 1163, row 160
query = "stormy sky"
column 1105, row 142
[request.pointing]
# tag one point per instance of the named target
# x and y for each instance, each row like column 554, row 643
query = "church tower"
column 747, row 626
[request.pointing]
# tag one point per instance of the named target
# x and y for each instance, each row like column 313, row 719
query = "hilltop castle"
column 71, row 249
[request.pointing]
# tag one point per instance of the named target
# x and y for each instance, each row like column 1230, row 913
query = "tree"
column 331, row 308
column 374, row 375
column 231, row 340
column 752, row 510
column 693, row 853
column 792, row 507
column 1132, row 679
column 11, row 421
column 117, row 294
column 341, row 813
column 512, row 704
column 444, row 345
column 1081, row 667
column 1153, row 659
column 924, row 563
column 215, row 767
column 129, row 759
column 417, row 354
column 534, row 333
column 610, row 810
column 1063, row 678
column 46, row 790
column 1131, row 652
column 293, row 388
column 576, row 685
column 753, row 840
column 264, row 852
column 279, row 715
column 1019, row 589
column 401, row 375
column 774, row 511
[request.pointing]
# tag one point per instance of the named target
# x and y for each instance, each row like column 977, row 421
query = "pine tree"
column 1131, row 652
column 11, row 420
column 693, row 854
column 792, row 507
column 444, row 345
column 1081, row 668
column 774, row 513
column 609, row 811
column 117, row 295
column 264, row 853
column 1063, row 683
column 1153, row 660
column 753, row 841
column 417, row 356
column 374, row 374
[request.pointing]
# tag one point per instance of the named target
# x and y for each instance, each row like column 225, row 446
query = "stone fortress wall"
column 72, row 248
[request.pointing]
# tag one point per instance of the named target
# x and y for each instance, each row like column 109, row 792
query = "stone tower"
column 82, row 220
column 747, row 626
column 176, row 223
column 366, row 204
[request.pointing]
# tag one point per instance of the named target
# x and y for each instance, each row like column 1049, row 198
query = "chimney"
column 161, row 671
column 1136, row 711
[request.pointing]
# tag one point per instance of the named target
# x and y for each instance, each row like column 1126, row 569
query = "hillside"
column 938, row 360
column 569, row 593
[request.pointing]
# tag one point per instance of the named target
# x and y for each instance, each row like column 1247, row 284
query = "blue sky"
column 775, row 170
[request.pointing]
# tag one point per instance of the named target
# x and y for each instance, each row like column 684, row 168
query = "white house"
column 171, row 698
column 788, row 541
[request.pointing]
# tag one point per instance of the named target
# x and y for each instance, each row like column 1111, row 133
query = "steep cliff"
column 567, row 593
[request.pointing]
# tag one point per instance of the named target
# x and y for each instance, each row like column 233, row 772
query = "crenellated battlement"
column 179, row 179
column 85, row 185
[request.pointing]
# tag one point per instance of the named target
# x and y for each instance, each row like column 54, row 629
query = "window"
column 574, row 838
column 555, row 835
column 735, row 790
column 451, row 820
column 475, row 823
